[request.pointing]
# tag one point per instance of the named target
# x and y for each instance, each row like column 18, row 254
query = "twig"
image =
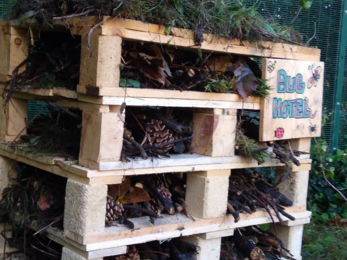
column 323, row 171
column 73, row 15
column 147, row 135
column 143, row 210
column 155, row 252
column 296, row 16
column 314, row 35
column 96, row 26
column 43, row 252
column 55, row 221
column 137, row 145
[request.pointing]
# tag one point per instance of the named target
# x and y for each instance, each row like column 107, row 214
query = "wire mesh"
column 4, row 6
column 326, row 17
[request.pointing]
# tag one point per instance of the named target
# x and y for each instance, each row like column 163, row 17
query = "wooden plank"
column 174, row 226
column 166, row 102
column 294, row 109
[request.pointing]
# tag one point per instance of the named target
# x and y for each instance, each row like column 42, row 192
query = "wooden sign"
column 294, row 109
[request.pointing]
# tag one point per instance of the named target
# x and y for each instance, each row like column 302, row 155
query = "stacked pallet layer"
column 101, row 99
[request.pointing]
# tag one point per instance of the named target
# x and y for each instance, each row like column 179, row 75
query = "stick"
column 314, row 35
column 94, row 27
column 55, row 221
column 147, row 135
column 137, row 145
column 73, row 15
column 296, row 16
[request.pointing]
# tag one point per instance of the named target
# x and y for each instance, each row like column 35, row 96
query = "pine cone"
column 113, row 210
column 132, row 254
column 159, row 135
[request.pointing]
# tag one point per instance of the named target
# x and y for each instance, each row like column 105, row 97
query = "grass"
column 322, row 242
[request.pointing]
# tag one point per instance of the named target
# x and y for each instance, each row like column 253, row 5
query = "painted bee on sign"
column 279, row 132
column 315, row 76
column 271, row 66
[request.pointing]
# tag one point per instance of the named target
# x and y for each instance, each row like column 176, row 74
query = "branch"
column 296, row 16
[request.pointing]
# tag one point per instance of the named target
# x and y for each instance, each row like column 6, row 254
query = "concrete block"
column 291, row 238
column 295, row 187
column 207, row 196
column 71, row 255
column 85, row 208
column 210, row 249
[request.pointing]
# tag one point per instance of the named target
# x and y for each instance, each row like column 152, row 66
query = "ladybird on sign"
column 295, row 103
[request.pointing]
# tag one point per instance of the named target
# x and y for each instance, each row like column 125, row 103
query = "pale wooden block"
column 14, row 48
column 291, row 238
column 207, row 195
column 295, row 187
column 13, row 118
column 85, row 208
column 102, row 138
column 302, row 144
column 100, row 65
column 214, row 135
column 210, row 248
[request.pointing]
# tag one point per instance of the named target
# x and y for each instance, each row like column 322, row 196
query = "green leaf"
column 129, row 83
column 23, row 17
column 339, row 152
column 332, row 169
column 269, row 28
column 168, row 30
column 305, row 4
column 324, row 148
column 178, row 6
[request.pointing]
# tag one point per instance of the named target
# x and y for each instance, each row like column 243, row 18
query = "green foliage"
column 220, row 86
column 324, row 242
column 249, row 148
column 232, row 19
column 323, row 200
column 263, row 89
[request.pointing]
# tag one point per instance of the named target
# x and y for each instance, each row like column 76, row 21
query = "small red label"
column 279, row 133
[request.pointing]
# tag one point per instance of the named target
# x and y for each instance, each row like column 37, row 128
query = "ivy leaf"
column 305, row 4
column 23, row 17
column 168, row 30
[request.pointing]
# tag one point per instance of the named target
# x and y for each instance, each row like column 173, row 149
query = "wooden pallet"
column 100, row 79
column 85, row 231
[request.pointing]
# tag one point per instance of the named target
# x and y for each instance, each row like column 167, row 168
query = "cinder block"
column 295, row 187
column 71, row 255
column 210, row 248
column 85, row 208
column 291, row 238
column 207, row 193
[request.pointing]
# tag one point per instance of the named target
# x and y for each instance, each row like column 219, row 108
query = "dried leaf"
column 136, row 195
column 119, row 189
column 43, row 202
column 159, row 54
column 245, row 82
column 154, row 73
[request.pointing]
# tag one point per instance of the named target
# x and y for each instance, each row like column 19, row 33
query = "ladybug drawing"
column 279, row 132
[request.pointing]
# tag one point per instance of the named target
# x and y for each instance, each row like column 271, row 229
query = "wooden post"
column 214, row 132
column 294, row 187
column 102, row 137
column 100, row 64
column 14, row 48
column 13, row 118
column 207, row 193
